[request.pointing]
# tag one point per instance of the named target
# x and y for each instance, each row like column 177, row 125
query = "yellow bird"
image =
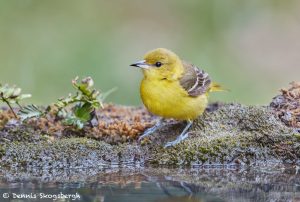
column 173, row 88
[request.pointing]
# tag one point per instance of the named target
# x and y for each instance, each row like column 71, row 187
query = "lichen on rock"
column 287, row 105
column 232, row 134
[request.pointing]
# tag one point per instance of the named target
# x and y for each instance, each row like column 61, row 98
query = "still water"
column 152, row 184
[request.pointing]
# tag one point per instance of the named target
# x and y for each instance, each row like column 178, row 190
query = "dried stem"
column 7, row 102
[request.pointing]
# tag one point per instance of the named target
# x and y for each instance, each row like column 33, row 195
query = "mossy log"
column 231, row 134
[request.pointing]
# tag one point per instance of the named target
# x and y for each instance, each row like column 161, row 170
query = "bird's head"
column 160, row 63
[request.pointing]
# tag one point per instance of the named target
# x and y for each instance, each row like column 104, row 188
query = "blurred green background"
column 250, row 47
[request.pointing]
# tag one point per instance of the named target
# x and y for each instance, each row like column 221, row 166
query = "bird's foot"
column 184, row 134
column 178, row 140
column 151, row 130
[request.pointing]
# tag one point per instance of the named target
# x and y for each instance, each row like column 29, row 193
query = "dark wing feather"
column 195, row 81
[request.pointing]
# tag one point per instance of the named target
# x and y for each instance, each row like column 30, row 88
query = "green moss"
column 233, row 134
column 246, row 133
column 2, row 151
column 297, row 136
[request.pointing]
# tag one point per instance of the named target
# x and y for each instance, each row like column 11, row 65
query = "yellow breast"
column 169, row 100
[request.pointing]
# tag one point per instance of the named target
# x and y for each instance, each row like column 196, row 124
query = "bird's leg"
column 184, row 134
column 151, row 130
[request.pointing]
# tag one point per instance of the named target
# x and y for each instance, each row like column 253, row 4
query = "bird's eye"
column 158, row 64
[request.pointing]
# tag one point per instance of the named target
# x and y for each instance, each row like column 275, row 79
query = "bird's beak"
column 142, row 64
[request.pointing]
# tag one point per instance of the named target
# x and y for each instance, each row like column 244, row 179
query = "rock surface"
column 231, row 134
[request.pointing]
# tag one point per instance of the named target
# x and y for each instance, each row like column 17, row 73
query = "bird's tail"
column 215, row 87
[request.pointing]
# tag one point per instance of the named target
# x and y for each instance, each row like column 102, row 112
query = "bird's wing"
column 195, row 81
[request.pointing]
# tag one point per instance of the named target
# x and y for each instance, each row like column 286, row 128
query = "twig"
column 4, row 100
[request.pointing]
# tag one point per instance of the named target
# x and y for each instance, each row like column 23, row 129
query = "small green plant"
column 31, row 111
column 75, row 110
column 83, row 104
column 12, row 95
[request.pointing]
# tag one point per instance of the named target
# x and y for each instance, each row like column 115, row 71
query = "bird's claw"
column 143, row 136
column 178, row 140
column 181, row 137
column 151, row 130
